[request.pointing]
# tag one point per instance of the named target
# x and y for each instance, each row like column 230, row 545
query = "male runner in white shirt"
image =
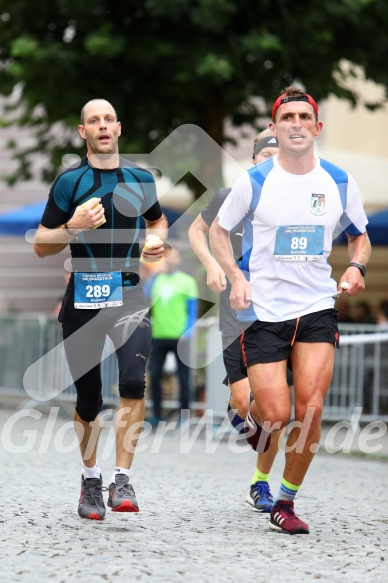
column 293, row 206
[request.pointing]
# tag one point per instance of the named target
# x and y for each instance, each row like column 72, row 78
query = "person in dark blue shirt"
column 96, row 207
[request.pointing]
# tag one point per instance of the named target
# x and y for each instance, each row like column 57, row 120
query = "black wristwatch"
column 361, row 267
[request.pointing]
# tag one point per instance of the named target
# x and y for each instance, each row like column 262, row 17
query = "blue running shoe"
column 260, row 497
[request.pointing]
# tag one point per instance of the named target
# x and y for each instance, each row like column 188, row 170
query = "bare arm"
column 215, row 279
column 241, row 295
column 53, row 241
column 359, row 248
column 359, row 251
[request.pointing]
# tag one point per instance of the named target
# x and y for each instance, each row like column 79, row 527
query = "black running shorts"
column 264, row 342
column 231, row 347
column 84, row 333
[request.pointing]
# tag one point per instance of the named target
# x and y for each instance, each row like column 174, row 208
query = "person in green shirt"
column 174, row 300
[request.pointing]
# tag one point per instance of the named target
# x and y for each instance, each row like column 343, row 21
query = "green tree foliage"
column 164, row 63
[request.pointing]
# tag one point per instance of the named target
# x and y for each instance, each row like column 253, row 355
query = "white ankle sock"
column 119, row 470
column 94, row 472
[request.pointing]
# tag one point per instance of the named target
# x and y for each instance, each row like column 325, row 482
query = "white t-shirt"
column 290, row 222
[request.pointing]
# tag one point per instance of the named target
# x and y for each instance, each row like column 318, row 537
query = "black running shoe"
column 91, row 503
column 122, row 496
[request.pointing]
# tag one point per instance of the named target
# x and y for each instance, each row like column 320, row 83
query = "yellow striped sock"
column 258, row 476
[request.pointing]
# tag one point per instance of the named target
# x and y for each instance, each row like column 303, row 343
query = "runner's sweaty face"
column 100, row 128
column 295, row 126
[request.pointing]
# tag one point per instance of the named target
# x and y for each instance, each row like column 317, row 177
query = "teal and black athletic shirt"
column 127, row 193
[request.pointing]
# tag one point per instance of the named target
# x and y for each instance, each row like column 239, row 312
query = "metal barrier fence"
column 360, row 376
column 27, row 337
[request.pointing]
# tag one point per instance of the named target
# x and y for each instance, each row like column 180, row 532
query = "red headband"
column 286, row 99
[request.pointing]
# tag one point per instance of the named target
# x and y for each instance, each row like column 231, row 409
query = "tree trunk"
column 210, row 155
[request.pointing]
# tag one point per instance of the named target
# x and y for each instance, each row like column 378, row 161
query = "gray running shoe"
column 122, row 496
column 91, row 503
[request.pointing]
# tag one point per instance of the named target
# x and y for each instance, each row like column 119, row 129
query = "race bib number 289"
column 97, row 290
column 299, row 242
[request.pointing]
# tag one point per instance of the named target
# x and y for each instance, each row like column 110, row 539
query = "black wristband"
column 68, row 230
column 361, row 267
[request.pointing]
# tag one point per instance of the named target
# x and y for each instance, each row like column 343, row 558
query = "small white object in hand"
column 345, row 285
column 152, row 241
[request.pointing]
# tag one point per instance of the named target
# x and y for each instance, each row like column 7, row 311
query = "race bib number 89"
column 299, row 242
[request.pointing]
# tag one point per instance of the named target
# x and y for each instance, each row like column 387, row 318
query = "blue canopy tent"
column 18, row 222
column 377, row 229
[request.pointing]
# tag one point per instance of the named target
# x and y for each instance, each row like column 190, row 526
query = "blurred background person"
column 173, row 298
column 382, row 314
column 363, row 313
column 343, row 307
column 265, row 146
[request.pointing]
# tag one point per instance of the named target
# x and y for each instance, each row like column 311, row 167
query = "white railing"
column 360, row 376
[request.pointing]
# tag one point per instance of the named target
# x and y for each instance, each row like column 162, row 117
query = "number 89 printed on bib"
column 299, row 242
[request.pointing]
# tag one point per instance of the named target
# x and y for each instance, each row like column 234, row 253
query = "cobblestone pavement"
column 194, row 525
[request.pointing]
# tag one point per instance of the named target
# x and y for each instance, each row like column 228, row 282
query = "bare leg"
column 265, row 460
column 272, row 400
column 128, row 425
column 88, row 433
column 239, row 400
column 240, row 403
column 312, row 364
